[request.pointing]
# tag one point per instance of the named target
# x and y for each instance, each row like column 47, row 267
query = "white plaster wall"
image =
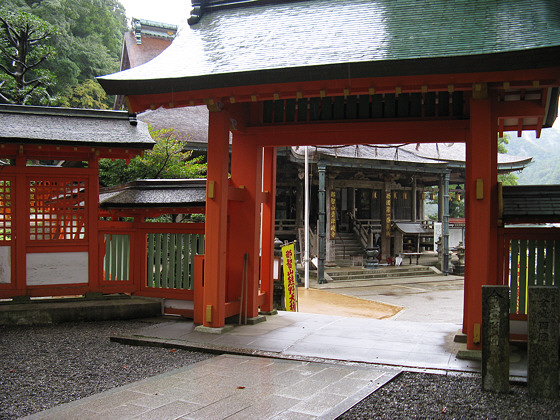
column 5, row 264
column 178, row 304
column 57, row 268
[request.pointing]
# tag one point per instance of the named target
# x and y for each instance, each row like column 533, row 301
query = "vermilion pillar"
column 268, row 217
column 216, row 220
column 481, row 213
column 244, row 223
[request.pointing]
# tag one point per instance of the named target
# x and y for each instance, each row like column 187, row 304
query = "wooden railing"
column 529, row 256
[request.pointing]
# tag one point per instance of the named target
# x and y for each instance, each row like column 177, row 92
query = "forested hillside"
column 545, row 152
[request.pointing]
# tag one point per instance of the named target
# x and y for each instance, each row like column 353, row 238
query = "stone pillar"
column 542, row 351
column 386, row 221
column 322, row 223
column 330, row 240
column 495, row 338
column 445, row 224
column 414, row 200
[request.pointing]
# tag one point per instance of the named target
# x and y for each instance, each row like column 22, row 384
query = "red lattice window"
column 6, row 203
column 57, row 210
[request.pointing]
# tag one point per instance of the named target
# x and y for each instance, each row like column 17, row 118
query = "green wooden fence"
column 533, row 262
column 171, row 259
column 116, row 264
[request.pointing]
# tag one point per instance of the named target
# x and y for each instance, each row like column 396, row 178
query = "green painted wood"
column 415, row 101
column 430, row 104
column 201, row 240
column 338, row 108
column 120, row 257
column 178, row 262
column 278, row 111
column 390, row 109
column 150, row 262
column 364, row 107
column 540, row 262
column 164, row 260
column 157, row 260
column 107, row 258
column 514, row 271
column 377, row 106
column 267, row 111
column 351, row 107
column 549, row 263
column 171, row 275
column 302, row 110
column 326, row 108
column 290, row 110
column 522, row 276
column 531, row 263
column 184, row 261
column 193, row 250
column 113, row 269
column 458, row 105
column 443, row 104
column 314, row 109
column 402, row 105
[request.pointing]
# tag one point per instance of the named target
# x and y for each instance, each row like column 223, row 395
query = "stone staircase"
column 348, row 250
column 360, row 274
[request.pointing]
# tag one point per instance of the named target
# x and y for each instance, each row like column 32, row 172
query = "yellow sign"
column 289, row 266
column 333, row 215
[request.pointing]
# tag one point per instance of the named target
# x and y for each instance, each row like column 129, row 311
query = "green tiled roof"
column 324, row 39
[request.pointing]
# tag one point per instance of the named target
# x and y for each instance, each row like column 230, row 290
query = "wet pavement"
column 297, row 365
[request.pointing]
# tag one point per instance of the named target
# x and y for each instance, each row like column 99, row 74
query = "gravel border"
column 44, row 366
column 413, row 395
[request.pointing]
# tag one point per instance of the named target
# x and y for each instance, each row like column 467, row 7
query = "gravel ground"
column 427, row 396
column 44, row 366
column 41, row 367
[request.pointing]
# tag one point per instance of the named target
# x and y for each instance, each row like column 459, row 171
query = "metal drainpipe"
column 322, row 169
column 445, row 262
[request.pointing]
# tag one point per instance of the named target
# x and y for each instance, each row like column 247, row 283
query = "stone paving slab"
column 234, row 387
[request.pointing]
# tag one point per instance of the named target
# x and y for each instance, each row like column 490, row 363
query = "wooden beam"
column 356, row 132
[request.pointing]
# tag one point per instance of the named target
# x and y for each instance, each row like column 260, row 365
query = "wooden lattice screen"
column 57, row 209
column 6, row 207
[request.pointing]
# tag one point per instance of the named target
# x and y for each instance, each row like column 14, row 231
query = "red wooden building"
column 318, row 72
column 49, row 195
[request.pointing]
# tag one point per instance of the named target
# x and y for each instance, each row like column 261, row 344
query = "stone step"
column 392, row 272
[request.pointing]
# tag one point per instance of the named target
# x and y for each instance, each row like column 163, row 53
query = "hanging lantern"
column 405, row 196
column 374, row 195
column 433, row 196
column 395, row 195
column 458, row 197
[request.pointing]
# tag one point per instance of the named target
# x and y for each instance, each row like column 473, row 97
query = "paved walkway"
column 293, row 366
column 233, row 387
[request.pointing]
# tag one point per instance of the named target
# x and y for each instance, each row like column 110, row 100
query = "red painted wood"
column 358, row 132
column 481, row 214
column 216, row 219
column 268, row 218
column 244, row 223
column 415, row 83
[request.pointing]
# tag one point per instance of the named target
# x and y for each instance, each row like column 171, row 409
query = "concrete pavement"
column 294, row 365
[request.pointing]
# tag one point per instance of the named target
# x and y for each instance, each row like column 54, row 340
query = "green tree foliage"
column 505, row 179
column 88, row 41
column 168, row 159
column 88, row 94
column 24, row 50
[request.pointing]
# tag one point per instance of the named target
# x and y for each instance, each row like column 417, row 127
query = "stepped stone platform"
column 54, row 311
column 381, row 273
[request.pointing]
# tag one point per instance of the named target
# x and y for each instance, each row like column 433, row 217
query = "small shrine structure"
column 49, row 195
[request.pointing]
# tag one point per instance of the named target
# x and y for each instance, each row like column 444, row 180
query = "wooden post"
column 481, row 234
column 244, row 222
column 216, row 220
column 268, row 217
